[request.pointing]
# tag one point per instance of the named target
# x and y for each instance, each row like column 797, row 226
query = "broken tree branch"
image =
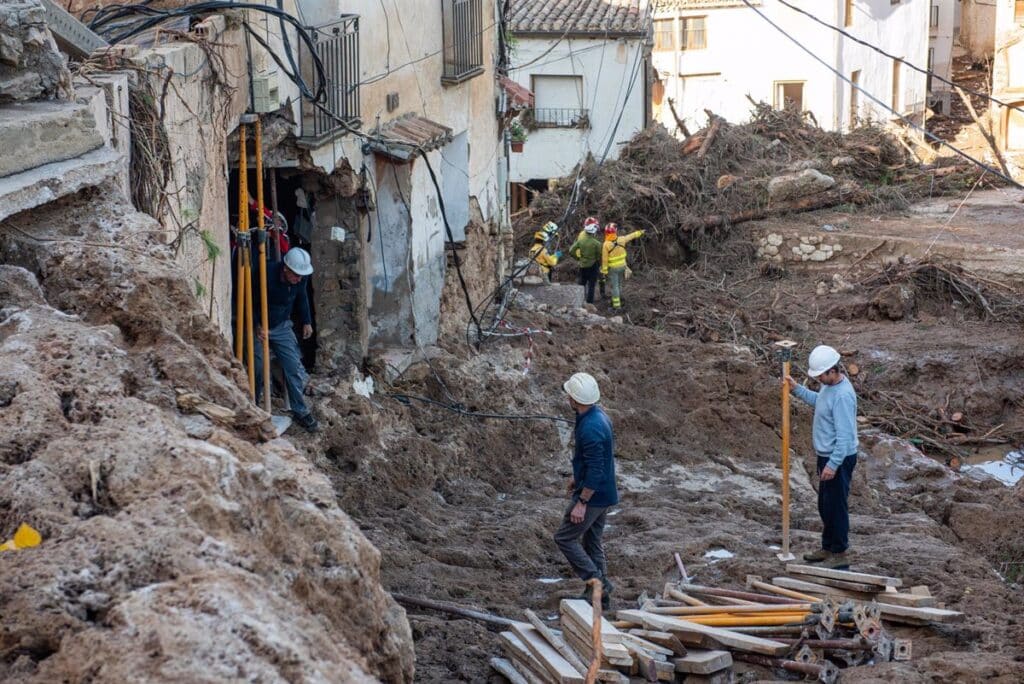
column 675, row 115
column 453, row 609
column 985, row 131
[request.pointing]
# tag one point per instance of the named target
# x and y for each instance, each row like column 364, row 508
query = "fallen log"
column 454, row 609
column 847, row 194
column 716, row 125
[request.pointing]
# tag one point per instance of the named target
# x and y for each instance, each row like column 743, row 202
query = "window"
column 789, row 94
column 934, row 21
column 1018, row 11
column 559, row 102
column 462, row 26
column 854, row 98
column 692, row 33
column 664, row 35
column 897, row 66
column 848, row 13
column 337, row 47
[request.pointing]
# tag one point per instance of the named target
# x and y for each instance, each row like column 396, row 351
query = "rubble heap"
column 30, row 66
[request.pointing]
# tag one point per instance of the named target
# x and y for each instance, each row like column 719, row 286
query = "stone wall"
column 31, row 68
column 779, row 247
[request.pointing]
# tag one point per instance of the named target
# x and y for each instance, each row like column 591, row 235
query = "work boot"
column 309, row 422
column 837, row 561
column 606, row 595
column 817, row 556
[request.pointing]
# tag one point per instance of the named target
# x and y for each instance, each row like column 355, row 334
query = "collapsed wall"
column 175, row 546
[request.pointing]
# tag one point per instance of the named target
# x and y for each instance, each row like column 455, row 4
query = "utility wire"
column 980, row 164
column 879, row 50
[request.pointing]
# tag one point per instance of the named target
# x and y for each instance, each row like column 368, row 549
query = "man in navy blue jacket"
column 592, row 486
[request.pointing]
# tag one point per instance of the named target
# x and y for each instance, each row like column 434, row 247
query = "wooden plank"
column 517, row 651
column 632, row 639
column 586, row 651
column 879, row 580
column 839, row 584
column 908, row 600
column 890, row 612
column 507, row 670
column 724, row 637
column 664, row 639
column 617, row 651
column 583, row 613
column 754, row 582
column 819, row 589
column 921, row 590
column 553, row 661
column 720, row 677
column 722, row 610
column 556, row 642
column 703, row 662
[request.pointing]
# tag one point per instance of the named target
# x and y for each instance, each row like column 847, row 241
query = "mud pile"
column 175, row 547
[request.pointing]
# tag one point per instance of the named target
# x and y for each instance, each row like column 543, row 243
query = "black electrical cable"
column 461, row 410
column 899, row 59
column 901, row 117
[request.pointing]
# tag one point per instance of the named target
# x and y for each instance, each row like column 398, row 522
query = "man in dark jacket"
column 592, row 486
column 286, row 289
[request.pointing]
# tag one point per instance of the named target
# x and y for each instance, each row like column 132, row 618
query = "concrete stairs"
column 53, row 148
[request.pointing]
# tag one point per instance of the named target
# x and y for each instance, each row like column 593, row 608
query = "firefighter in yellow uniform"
column 541, row 259
column 613, row 259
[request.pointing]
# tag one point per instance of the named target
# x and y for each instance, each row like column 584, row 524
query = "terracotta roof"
column 612, row 17
column 405, row 136
column 668, row 5
column 519, row 96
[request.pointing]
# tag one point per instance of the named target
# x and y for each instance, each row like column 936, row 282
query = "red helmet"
column 611, row 229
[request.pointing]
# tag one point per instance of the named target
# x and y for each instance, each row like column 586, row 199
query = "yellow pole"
column 748, row 621
column 239, row 282
column 264, row 315
column 785, row 458
column 243, row 192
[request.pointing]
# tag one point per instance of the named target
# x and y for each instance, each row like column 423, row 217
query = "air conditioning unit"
column 264, row 93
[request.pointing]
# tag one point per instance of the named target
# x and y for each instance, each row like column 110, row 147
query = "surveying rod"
column 785, row 353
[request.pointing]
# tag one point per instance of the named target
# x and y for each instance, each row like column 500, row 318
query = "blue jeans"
column 833, row 507
column 286, row 349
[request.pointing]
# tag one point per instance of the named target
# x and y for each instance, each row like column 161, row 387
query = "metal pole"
column 246, row 246
column 276, row 229
column 262, row 237
column 240, row 283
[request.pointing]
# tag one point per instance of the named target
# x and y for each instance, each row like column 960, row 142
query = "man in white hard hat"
column 835, row 441
column 592, row 486
column 286, row 289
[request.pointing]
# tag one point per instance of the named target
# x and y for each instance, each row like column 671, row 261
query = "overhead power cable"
column 980, row 164
column 861, row 41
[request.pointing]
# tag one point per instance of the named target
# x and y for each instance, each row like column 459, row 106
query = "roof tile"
column 615, row 17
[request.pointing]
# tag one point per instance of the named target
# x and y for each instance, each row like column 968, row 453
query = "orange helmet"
column 611, row 229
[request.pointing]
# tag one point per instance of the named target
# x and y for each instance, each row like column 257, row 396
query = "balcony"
column 462, row 23
column 337, row 47
column 557, row 117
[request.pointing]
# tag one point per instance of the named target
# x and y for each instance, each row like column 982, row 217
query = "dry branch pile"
column 720, row 175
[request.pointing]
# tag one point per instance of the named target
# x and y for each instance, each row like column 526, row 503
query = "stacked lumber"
column 914, row 607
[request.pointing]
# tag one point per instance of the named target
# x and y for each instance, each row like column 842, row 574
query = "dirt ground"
column 463, row 509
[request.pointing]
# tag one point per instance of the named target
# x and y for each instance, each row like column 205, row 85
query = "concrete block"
column 556, row 294
column 36, row 133
column 47, row 183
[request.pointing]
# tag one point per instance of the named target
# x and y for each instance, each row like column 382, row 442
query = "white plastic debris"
column 363, row 386
column 715, row 555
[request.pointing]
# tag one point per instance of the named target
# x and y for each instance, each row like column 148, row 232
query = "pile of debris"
column 811, row 622
column 779, row 162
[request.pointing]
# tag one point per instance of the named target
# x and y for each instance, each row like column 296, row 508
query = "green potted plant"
column 517, row 134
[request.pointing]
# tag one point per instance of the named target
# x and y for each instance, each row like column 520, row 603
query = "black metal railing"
column 462, row 22
column 337, row 46
column 560, row 117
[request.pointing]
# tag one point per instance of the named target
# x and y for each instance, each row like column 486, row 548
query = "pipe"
column 752, row 620
column 717, row 610
column 685, row 598
column 749, row 596
column 857, row 644
column 767, row 629
column 785, row 460
column 824, row 672
column 262, row 238
column 240, row 285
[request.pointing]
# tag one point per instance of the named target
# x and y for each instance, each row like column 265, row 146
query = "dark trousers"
column 588, row 279
column 581, row 543
column 833, row 505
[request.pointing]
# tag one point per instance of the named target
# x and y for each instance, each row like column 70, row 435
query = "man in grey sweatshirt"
column 834, row 435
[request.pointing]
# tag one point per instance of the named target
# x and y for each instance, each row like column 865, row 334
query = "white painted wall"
column 940, row 41
column 747, row 56
column 1008, row 85
column 607, row 67
column 978, row 27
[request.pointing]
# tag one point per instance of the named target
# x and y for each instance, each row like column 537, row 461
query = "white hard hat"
column 822, row 358
column 297, row 259
column 582, row 387
column 591, row 228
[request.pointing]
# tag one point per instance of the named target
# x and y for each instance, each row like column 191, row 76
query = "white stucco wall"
column 1008, row 85
column 940, row 39
column 978, row 27
column 606, row 66
column 747, row 56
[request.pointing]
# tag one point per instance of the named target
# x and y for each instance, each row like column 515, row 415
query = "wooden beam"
column 454, row 609
column 879, row 580
column 703, row 662
column 556, row 642
column 582, row 613
column 839, row 584
column 903, row 599
column 724, row 637
column 755, row 582
column 517, row 651
column 556, row 665
column 664, row 639
column 819, row 589
column 507, row 670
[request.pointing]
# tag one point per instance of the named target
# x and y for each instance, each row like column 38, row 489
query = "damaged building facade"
column 1008, row 82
